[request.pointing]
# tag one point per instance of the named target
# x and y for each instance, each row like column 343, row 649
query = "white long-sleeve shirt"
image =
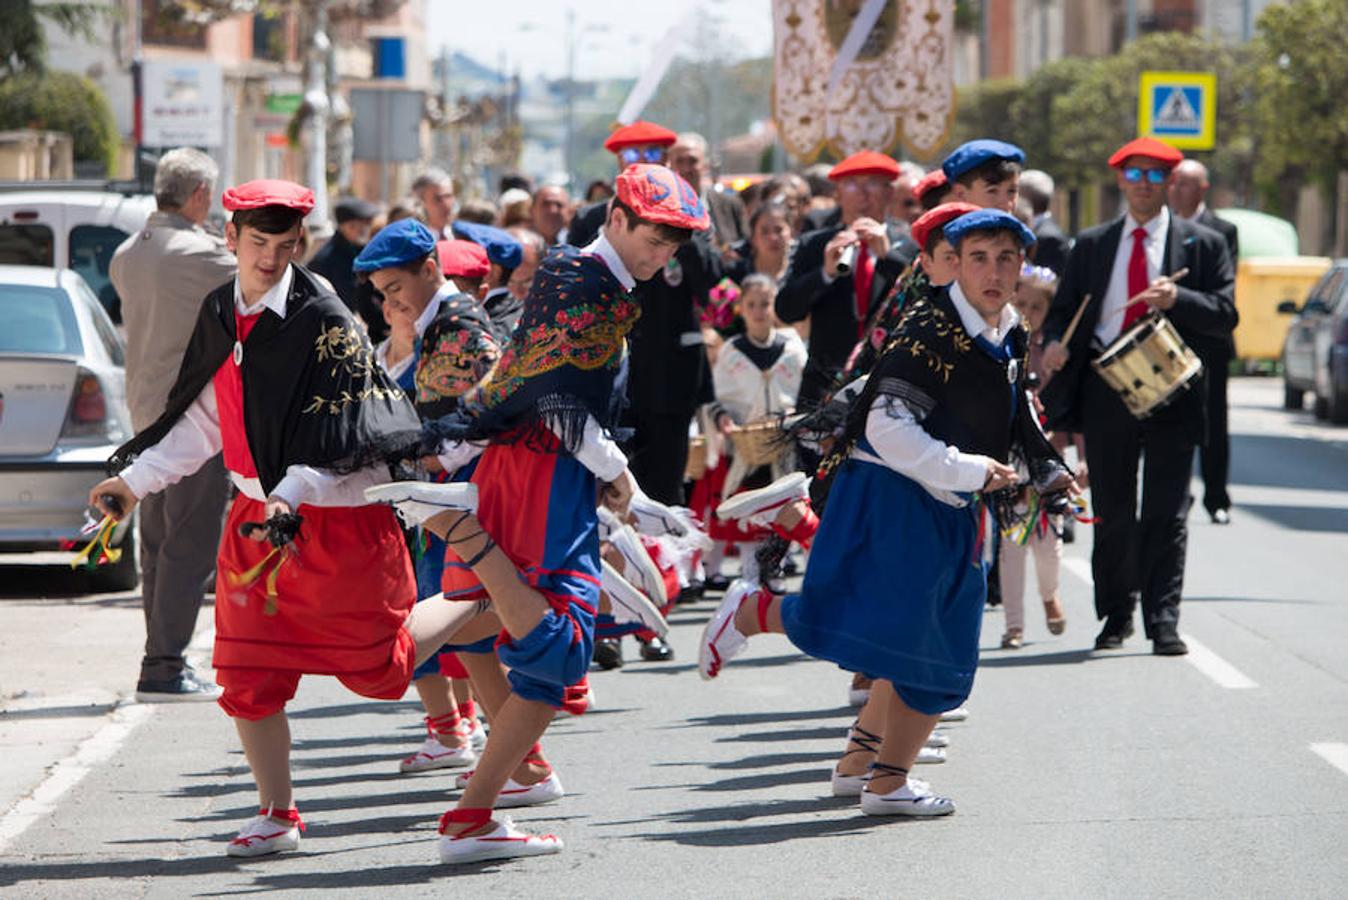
column 903, row 445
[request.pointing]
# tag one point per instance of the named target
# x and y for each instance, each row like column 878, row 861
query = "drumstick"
column 1134, row 300
column 1076, row 319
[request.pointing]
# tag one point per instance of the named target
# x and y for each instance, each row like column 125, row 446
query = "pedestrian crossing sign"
column 1179, row 108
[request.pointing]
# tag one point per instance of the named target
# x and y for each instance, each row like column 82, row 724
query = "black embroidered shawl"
column 312, row 391
column 458, row 350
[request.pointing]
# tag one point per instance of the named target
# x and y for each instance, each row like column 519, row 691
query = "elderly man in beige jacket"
column 163, row 273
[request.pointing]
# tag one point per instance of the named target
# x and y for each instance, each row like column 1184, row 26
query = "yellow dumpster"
column 1261, row 284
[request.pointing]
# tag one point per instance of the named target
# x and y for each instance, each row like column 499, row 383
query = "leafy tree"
column 982, row 110
column 62, row 101
column 23, row 44
column 1302, row 80
column 1037, row 120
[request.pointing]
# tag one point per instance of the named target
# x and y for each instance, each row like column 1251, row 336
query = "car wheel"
column 1292, row 398
column 1338, row 405
column 1320, row 407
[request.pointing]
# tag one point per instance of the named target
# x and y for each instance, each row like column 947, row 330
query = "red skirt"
column 340, row 598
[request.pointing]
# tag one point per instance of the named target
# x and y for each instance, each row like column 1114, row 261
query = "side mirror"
column 1287, row 308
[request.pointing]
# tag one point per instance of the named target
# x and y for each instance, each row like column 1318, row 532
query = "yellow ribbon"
column 100, row 540
column 244, row 579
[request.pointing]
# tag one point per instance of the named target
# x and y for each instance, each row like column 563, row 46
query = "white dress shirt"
column 1116, row 295
column 901, row 443
column 601, row 248
column 195, row 438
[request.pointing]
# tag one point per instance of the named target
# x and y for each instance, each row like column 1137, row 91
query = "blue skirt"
column 894, row 588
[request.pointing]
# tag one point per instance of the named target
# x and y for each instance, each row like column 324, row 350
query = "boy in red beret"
column 311, row 579
column 546, row 413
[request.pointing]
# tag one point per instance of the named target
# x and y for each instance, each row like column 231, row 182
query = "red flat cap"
column 1148, row 147
column 639, row 132
column 462, row 259
column 933, row 179
column 867, row 162
column 269, row 192
column 932, row 219
column 657, row 195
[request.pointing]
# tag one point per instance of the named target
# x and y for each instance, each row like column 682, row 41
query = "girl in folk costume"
column 440, row 346
column 524, row 527
column 757, row 377
column 279, row 375
column 922, row 450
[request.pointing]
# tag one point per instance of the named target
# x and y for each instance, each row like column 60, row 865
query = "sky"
column 615, row 36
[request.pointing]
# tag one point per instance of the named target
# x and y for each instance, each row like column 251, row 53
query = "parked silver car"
column 62, row 412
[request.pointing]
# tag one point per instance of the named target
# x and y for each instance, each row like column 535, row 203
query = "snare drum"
column 1149, row 365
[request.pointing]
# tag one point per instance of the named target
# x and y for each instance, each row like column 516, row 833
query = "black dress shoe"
column 717, row 583
column 1169, row 644
column 1220, row 517
column 608, row 653
column 1117, row 630
column 656, row 650
column 185, row 688
column 693, row 592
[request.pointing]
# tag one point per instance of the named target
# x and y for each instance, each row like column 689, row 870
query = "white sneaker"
column 955, row 715
column 760, row 507
column 417, row 501
column 915, row 798
column 629, row 604
column 640, row 569
column 928, row 756
column 938, row 739
column 435, row 755
column 514, row 794
column 721, row 640
column 608, row 522
column 505, row 842
column 851, row 785
column 655, row 518
column 477, row 735
column 263, row 835
column 858, row 696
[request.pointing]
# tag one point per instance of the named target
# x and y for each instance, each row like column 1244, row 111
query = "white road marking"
column 98, row 748
column 1216, row 668
column 1334, row 754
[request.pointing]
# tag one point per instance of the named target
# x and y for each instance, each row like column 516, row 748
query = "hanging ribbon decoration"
column 281, row 532
column 102, row 530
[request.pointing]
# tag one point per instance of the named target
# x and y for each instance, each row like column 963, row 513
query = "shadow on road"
column 1287, row 462
column 1301, row 518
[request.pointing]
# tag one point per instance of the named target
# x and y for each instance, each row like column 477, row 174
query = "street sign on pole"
column 182, row 103
column 386, row 127
column 1179, row 108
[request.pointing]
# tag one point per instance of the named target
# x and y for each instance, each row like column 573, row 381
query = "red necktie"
column 1137, row 278
column 862, row 276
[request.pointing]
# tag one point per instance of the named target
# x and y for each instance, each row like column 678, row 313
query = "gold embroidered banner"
column 897, row 91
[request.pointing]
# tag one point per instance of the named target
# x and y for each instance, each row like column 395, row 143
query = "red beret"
column 936, row 218
column 867, row 162
column 657, row 195
column 1148, row 147
column 269, row 192
column 933, row 179
column 462, row 259
column 639, row 132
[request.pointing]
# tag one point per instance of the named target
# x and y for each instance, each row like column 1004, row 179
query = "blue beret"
column 501, row 247
column 403, row 241
column 987, row 220
column 972, row 154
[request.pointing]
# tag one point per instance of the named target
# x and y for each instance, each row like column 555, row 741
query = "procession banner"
column 855, row 75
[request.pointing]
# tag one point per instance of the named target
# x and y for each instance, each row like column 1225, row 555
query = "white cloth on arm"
column 905, row 446
column 195, row 438
column 597, row 452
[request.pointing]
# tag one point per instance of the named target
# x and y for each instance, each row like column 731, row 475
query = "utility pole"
column 571, row 97
column 316, row 124
column 1130, row 22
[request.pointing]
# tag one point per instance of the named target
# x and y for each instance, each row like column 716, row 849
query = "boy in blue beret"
column 985, row 173
column 505, row 254
column 931, row 441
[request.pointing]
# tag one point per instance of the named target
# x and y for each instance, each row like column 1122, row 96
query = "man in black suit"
column 1188, row 193
column 688, row 159
column 1050, row 244
column 837, row 302
column 1111, row 263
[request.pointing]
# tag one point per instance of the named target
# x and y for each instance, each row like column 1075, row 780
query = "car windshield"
column 91, row 249
column 37, row 320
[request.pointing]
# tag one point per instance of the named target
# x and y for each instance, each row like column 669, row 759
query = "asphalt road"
column 1221, row 774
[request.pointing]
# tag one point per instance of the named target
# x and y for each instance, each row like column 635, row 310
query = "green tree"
column 982, row 110
column 1302, row 82
column 1037, row 120
column 62, row 101
column 23, row 43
